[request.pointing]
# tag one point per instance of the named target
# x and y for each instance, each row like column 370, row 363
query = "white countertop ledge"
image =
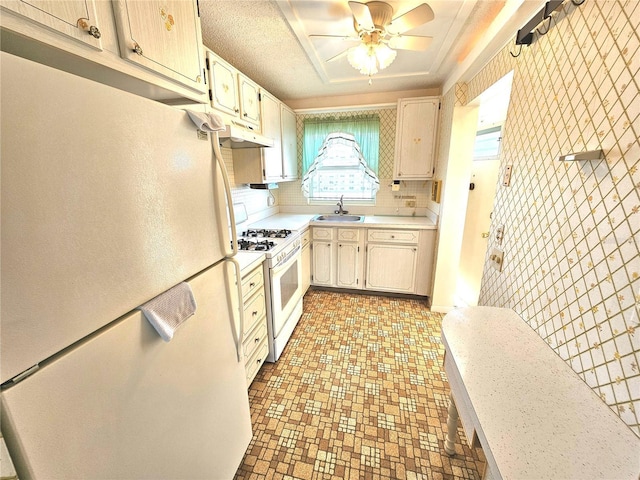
column 537, row 417
column 382, row 221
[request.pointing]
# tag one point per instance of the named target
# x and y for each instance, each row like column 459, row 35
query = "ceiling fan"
column 379, row 34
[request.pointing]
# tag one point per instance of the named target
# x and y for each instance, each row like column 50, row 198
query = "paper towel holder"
column 590, row 155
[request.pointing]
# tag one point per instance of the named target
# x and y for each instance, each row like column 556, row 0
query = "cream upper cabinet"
column 416, row 138
column 249, row 100
column 271, row 128
column 289, row 144
column 272, row 164
column 223, row 85
column 232, row 93
column 164, row 37
column 75, row 19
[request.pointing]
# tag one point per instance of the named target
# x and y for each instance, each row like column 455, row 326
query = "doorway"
column 485, row 170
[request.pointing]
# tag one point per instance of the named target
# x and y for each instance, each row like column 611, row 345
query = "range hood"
column 236, row 136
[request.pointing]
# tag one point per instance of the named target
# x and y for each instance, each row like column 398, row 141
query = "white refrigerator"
column 107, row 200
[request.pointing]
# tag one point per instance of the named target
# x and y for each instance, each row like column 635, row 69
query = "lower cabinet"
column 255, row 344
column 322, row 261
column 337, row 257
column 391, row 267
column 306, row 260
column 377, row 259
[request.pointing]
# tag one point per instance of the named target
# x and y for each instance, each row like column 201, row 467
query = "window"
column 487, row 146
column 340, row 158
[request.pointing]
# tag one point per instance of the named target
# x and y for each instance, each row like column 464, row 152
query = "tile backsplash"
column 572, row 229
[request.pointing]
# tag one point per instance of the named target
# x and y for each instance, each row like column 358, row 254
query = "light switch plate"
column 506, row 179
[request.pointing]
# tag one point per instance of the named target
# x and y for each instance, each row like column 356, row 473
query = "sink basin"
column 339, row 218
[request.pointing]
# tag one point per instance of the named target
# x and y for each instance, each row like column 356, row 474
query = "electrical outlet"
column 410, row 203
column 496, row 258
column 506, row 179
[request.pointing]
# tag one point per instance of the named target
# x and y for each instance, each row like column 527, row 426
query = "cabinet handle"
column 237, row 110
column 91, row 30
column 245, row 115
column 257, row 340
column 254, row 313
column 94, row 31
column 252, row 284
column 138, row 49
column 259, row 360
column 393, row 236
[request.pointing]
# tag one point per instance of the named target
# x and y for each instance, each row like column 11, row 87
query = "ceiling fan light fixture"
column 369, row 58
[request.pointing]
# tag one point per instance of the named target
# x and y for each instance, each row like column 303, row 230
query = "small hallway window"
column 340, row 158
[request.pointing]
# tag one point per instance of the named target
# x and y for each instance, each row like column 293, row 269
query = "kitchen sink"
column 339, row 218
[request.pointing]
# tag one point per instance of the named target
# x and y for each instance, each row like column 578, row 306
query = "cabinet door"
column 271, row 128
column 223, row 84
column 416, row 138
column 391, row 267
column 347, row 266
column 289, row 144
column 306, row 268
column 249, row 100
column 164, row 37
column 322, row 255
column 74, row 18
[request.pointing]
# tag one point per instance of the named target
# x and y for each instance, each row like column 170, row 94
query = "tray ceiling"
column 270, row 42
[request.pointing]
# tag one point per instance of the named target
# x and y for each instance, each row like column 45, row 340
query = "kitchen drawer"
column 254, row 311
column 253, row 339
column 348, row 234
column 305, row 238
column 322, row 233
column 252, row 366
column 393, row 236
column 252, row 282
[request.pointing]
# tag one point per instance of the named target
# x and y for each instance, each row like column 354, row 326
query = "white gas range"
column 283, row 274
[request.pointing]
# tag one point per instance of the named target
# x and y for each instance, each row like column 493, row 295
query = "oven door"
column 286, row 288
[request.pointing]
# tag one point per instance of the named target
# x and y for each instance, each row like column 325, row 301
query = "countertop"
column 249, row 260
column 301, row 222
column 538, row 417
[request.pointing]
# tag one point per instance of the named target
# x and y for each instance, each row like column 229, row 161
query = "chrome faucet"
column 340, row 204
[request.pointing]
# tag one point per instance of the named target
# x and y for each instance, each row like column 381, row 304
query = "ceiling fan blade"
column 412, row 19
column 362, row 15
column 338, row 56
column 330, row 47
column 410, row 42
column 338, row 37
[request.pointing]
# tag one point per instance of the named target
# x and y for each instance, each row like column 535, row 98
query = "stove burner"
column 283, row 233
column 267, row 233
column 258, row 245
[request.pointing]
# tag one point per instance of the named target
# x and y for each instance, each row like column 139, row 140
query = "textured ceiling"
column 269, row 42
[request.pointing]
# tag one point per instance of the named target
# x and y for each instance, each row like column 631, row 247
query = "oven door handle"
column 284, row 263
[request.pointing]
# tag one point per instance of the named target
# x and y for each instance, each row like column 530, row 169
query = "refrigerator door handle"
column 230, row 246
column 236, row 264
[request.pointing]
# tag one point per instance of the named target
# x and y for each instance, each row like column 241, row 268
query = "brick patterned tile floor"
column 359, row 392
